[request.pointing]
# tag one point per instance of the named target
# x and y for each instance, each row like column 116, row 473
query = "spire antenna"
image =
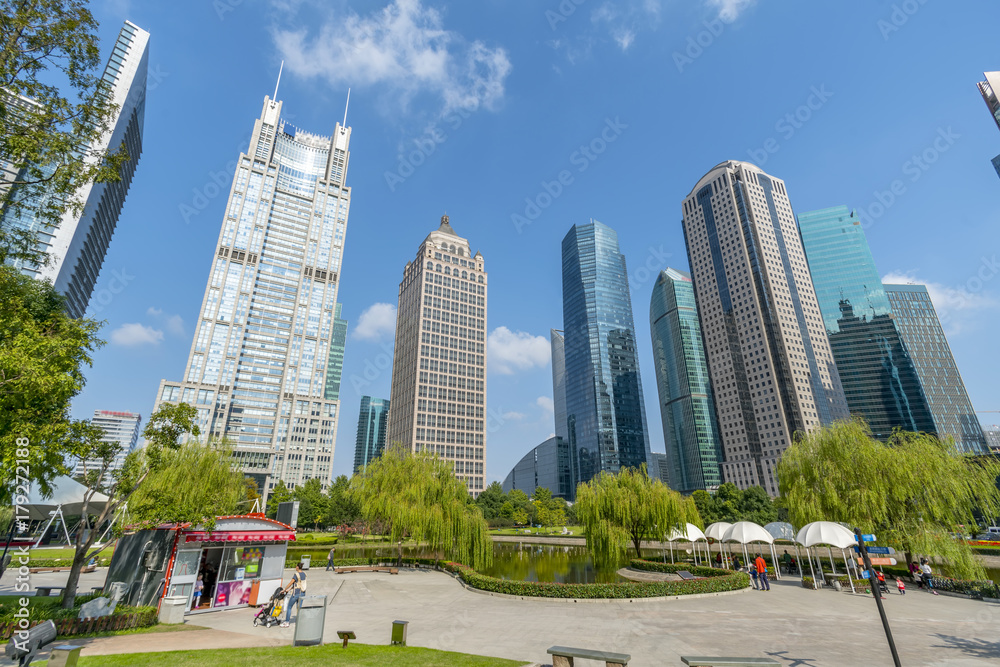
column 275, row 98
column 345, row 107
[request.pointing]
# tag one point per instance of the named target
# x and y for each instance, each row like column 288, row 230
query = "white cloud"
column 955, row 306
column 545, row 403
column 730, row 10
column 623, row 20
column 514, row 416
column 136, row 334
column 173, row 323
column 511, row 351
column 378, row 319
column 403, row 49
column 155, row 312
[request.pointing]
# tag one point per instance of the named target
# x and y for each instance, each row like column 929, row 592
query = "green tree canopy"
column 279, row 494
column 341, row 508
column 313, row 503
column 418, row 496
column 491, row 500
column 42, row 355
column 912, row 492
column 628, row 507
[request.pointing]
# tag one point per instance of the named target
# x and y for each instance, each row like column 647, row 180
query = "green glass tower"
column 690, row 430
column 372, row 428
column 335, row 360
column 876, row 370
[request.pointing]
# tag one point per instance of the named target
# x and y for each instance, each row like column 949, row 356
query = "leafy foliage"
column 913, row 492
column 730, row 504
column 628, row 507
column 418, row 496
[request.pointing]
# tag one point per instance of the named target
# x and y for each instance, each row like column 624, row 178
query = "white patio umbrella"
column 829, row 534
column 748, row 532
column 692, row 534
column 782, row 530
column 715, row 532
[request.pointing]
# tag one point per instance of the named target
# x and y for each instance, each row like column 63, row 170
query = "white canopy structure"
column 67, row 498
column 692, row 534
column 828, row 534
column 781, row 530
column 715, row 532
column 748, row 532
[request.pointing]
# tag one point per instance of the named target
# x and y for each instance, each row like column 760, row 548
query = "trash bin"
column 172, row 609
column 399, row 632
column 305, row 560
column 310, row 621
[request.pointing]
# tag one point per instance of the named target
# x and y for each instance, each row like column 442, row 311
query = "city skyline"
column 552, row 91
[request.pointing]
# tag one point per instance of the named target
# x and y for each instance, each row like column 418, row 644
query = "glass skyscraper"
column 878, row 375
column 690, row 430
column 76, row 247
column 548, row 465
column 605, row 414
column 258, row 371
column 372, row 429
column 924, row 338
column 335, row 361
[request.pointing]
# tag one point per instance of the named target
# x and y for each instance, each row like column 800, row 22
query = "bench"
column 46, row 591
column 685, row 575
column 367, row 568
column 705, row 661
column 86, row 570
column 562, row 656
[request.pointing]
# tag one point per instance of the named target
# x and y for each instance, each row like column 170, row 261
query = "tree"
column 491, row 500
column 757, row 506
column 280, row 494
column 705, row 502
column 313, row 504
column 913, row 492
column 626, row 507
column 163, row 433
column 341, row 508
column 548, row 510
column 47, row 135
column 194, row 484
column 42, row 353
column 418, row 496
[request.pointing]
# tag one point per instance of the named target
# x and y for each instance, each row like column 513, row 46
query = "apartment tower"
column 769, row 358
column 438, row 394
column 372, row 422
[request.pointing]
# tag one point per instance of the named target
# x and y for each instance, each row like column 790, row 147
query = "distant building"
column 559, row 382
column 687, row 408
column 119, row 427
column 992, row 434
column 924, row 338
column 772, row 370
column 877, row 373
column 547, row 465
column 660, row 469
column 605, row 413
column 439, row 361
column 988, row 89
column 371, row 439
column 335, row 360
column 77, row 246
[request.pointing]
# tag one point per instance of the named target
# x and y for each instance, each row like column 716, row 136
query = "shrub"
column 808, row 582
column 977, row 589
column 698, row 571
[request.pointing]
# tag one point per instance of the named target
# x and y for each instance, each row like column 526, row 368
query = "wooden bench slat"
column 589, row 654
column 707, row 661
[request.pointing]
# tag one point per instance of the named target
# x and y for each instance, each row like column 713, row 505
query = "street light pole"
column 878, row 596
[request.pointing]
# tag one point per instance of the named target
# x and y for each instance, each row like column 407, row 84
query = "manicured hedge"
column 696, row 570
column 977, row 589
column 56, row 562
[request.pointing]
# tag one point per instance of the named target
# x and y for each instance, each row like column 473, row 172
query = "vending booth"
column 239, row 561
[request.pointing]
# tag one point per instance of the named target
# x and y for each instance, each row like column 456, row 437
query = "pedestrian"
column 718, row 559
column 765, row 585
column 787, row 560
column 737, row 565
column 901, row 586
column 298, row 586
column 199, row 589
column 329, row 560
column 915, row 573
column 753, row 575
column 926, row 575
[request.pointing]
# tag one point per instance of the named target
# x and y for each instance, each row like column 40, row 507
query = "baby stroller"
column 270, row 613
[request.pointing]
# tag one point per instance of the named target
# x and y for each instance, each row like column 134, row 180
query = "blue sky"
column 475, row 108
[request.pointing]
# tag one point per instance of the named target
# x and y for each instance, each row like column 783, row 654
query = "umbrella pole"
column 848, row 568
column 811, row 570
column 774, row 562
column 832, row 566
column 671, row 553
column 798, row 561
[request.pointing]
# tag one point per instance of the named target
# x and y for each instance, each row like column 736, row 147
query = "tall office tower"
column 258, row 367
column 877, row 373
column 690, row 430
column 119, row 427
column 924, row 338
column 992, row 435
column 547, row 465
column 559, row 382
column 335, row 360
column 372, row 422
column 605, row 414
column 439, row 363
column 988, row 90
column 76, row 247
column 768, row 355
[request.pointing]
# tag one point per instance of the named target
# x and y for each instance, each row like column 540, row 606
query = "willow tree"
column 628, row 507
column 418, row 496
column 913, row 492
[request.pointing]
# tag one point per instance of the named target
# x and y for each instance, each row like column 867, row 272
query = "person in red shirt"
column 762, row 573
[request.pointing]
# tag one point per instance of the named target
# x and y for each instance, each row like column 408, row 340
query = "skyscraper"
column 121, row 428
column 258, row 368
column 690, row 430
column 547, row 465
column 372, row 423
column 77, row 246
column 559, row 382
column 770, row 362
column 878, row 375
column 439, row 363
column 988, row 90
column 605, row 414
column 924, row 338
column 335, row 360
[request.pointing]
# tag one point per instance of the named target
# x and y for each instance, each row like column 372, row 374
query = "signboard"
column 878, row 561
column 866, row 574
column 885, row 551
column 868, row 538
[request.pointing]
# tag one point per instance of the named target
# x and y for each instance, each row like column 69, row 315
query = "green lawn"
column 361, row 655
column 556, row 531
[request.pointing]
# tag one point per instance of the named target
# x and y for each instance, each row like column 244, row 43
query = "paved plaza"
column 797, row 627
